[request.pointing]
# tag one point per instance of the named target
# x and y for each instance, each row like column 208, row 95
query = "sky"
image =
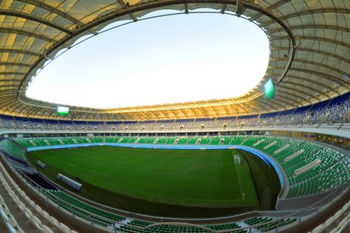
column 157, row 61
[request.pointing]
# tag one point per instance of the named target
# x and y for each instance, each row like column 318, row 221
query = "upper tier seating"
column 328, row 112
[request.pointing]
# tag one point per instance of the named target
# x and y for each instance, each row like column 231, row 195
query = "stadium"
column 275, row 159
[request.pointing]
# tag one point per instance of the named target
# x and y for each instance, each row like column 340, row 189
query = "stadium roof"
column 309, row 58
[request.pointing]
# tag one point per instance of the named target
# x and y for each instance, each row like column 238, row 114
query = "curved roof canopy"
column 309, row 58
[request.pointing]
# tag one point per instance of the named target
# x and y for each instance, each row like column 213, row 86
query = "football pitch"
column 198, row 179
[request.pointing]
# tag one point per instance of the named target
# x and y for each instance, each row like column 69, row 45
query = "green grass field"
column 170, row 182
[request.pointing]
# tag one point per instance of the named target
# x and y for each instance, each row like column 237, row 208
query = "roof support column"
column 239, row 7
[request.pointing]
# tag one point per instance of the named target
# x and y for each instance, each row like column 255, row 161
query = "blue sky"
column 164, row 60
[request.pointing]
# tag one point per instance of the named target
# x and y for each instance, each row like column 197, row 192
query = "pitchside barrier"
column 265, row 157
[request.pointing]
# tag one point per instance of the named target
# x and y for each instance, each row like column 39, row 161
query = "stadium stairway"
column 3, row 227
column 23, row 221
column 8, row 221
column 24, row 209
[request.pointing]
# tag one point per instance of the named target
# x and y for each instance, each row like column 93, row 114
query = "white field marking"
column 98, row 173
column 237, row 159
column 239, row 180
column 195, row 164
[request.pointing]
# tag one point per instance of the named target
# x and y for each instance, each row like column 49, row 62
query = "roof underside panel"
column 309, row 52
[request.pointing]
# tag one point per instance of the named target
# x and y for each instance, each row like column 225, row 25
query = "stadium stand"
column 330, row 112
column 264, row 143
column 308, row 65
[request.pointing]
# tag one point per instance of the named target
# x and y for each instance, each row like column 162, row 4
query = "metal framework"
column 309, row 52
